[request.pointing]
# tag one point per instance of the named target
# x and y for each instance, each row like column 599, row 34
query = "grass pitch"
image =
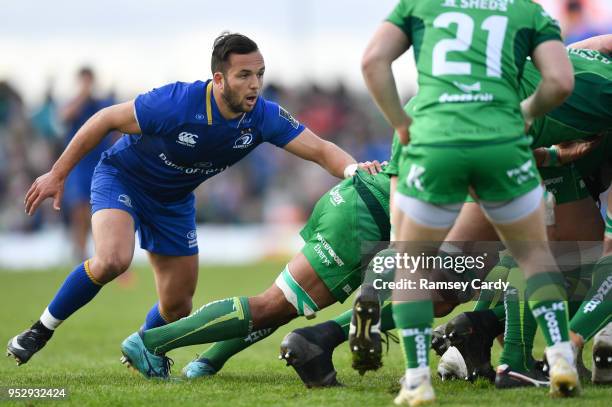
column 83, row 355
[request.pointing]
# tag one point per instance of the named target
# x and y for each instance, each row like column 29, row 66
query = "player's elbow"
column 371, row 63
column 557, row 88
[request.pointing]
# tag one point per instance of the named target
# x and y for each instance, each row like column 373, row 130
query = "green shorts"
column 565, row 183
column 441, row 174
column 340, row 221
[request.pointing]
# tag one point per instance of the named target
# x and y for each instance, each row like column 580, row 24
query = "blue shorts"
column 78, row 186
column 166, row 228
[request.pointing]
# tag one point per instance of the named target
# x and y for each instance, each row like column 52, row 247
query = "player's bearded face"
column 234, row 99
column 243, row 81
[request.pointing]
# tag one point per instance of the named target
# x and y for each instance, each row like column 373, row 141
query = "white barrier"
column 218, row 245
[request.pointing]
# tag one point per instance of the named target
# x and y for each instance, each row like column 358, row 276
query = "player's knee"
column 271, row 309
column 108, row 266
column 175, row 310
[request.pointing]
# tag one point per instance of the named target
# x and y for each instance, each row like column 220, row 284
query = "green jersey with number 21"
column 470, row 56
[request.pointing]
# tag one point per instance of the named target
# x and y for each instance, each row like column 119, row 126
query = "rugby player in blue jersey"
column 176, row 137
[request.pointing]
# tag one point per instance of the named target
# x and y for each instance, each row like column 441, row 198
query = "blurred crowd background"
column 270, row 185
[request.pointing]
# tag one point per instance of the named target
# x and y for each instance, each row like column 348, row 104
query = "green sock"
column 546, row 295
column 492, row 299
column 579, row 284
column 344, row 320
column 530, row 327
column 220, row 352
column 414, row 320
column 216, row 321
column 513, row 352
column 596, row 309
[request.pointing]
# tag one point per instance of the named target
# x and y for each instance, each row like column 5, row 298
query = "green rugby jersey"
column 586, row 112
column 470, row 55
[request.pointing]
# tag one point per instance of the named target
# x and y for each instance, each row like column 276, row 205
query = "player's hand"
column 46, row 186
column 371, row 167
column 573, row 150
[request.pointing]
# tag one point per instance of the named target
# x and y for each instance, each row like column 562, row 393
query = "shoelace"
column 168, row 363
column 389, row 336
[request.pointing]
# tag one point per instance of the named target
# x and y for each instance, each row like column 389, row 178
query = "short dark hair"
column 86, row 71
column 226, row 44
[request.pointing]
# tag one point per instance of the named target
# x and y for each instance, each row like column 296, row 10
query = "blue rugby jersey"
column 185, row 140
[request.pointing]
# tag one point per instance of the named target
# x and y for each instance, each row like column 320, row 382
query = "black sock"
column 328, row 333
column 486, row 321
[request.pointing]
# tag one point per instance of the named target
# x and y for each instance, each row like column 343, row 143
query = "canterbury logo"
column 187, row 139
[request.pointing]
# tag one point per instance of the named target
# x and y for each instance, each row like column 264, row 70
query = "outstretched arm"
column 332, row 158
column 117, row 117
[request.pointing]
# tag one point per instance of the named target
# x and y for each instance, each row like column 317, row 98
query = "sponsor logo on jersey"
column 326, row 247
column 501, row 5
column 554, row 181
column 413, row 180
column 285, row 115
column 334, row 196
column 187, row 139
column 192, row 238
column 200, row 116
column 523, row 173
column 245, row 140
column 465, row 97
column 126, row 200
column 590, row 55
column 191, row 170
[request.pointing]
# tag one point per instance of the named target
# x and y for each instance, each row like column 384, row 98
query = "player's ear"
column 218, row 79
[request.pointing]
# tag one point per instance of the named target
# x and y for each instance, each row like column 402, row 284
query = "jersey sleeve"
column 159, row 110
column 279, row 126
column 546, row 28
column 400, row 16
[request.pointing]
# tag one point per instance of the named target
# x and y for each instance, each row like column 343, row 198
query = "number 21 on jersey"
column 495, row 26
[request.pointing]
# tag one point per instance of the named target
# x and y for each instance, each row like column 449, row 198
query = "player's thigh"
column 306, row 276
column 113, row 222
column 298, row 291
column 471, row 225
column 176, row 278
column 113, row 236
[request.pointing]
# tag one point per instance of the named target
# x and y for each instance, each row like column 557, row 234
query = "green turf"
column 84, row 354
